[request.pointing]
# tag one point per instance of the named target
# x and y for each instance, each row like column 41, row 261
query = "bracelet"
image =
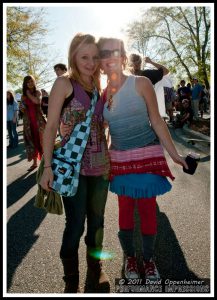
column 47, row 167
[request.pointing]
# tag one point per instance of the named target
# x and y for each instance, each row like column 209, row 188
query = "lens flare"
column 114, row 76
column 103, row 255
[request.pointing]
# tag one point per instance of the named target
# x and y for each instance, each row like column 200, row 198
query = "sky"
column 98, row 20
column 101, row 20
column 63, row 21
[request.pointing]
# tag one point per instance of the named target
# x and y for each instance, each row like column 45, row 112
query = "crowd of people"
column 191, row 101
column 132, row 165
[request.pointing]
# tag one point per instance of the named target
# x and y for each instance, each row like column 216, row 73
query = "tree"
column 26, row 51
column 180, row 36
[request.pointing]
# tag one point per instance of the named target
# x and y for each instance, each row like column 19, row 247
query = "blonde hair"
column 79, row 40
column 103, row 40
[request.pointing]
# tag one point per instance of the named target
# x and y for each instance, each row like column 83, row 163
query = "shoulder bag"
column 66, row 160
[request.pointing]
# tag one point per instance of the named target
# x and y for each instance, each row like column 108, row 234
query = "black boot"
column 97, row 280
column 71, row 275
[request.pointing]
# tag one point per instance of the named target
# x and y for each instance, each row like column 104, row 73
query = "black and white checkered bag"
column 66, row 161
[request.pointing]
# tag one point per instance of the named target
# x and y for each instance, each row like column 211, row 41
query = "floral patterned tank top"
column 95, row 160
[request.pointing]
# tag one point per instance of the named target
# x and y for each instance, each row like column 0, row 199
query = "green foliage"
column 179, row 36
column 26, row 29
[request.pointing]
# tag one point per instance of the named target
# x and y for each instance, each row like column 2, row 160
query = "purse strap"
column 75, row 146
column 90, row 111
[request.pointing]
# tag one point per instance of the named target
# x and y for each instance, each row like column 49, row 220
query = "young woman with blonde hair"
column 69, row 101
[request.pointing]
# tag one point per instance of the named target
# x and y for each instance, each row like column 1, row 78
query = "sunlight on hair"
column 103, row 80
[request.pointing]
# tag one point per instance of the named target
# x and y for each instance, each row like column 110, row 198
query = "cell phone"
column 192, row 162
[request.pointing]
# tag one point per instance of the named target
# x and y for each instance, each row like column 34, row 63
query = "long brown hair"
column 78, row 40
column 11, row 98
column 25, row 82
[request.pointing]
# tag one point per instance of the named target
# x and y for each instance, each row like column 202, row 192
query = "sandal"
column 32, row 167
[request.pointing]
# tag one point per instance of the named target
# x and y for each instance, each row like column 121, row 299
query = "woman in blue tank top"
column 138, row 166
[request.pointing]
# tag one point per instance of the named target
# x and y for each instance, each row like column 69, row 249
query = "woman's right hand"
column 46, row 181
column 65, row 129
column 147, row 60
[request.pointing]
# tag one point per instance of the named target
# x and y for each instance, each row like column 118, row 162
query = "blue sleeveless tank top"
column 128, row 118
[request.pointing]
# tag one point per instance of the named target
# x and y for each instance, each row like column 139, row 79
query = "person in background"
column 203, row 102
column 12, row 115
column 189, row 85
column 158, row 77
column 44, row 102
column 60, row 69
column 139, row 169
column 155, row 75
column 69, row 101
column 196, row 95
column 185, row 116
column 33, row 121
column 170, row 97
column 20, row 114
column 183, row 92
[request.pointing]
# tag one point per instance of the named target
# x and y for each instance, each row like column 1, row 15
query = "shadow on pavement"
column 205, row 159
column 91, row 287
column 21, row 236
column 18, row 188
column 19, row 150
column 169, row 257
column 22, row 156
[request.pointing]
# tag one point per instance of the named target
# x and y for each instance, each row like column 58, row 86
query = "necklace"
column 113, row 90
column 110, row 98
column 110, row 102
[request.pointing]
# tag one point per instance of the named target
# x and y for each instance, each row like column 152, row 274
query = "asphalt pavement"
column 34, row 237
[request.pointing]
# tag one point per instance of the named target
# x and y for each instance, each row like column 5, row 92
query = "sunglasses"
column 103, row 54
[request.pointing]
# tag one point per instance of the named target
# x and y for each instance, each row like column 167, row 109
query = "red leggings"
column 147, row 213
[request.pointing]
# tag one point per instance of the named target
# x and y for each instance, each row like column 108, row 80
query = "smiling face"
column 87, row 60
column 30, row 84
column 112, row 56
column 83, row 61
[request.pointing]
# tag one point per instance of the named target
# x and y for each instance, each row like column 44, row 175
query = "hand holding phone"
column 192, row 161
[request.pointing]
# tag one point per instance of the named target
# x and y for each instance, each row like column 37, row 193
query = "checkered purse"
column 66, row 160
